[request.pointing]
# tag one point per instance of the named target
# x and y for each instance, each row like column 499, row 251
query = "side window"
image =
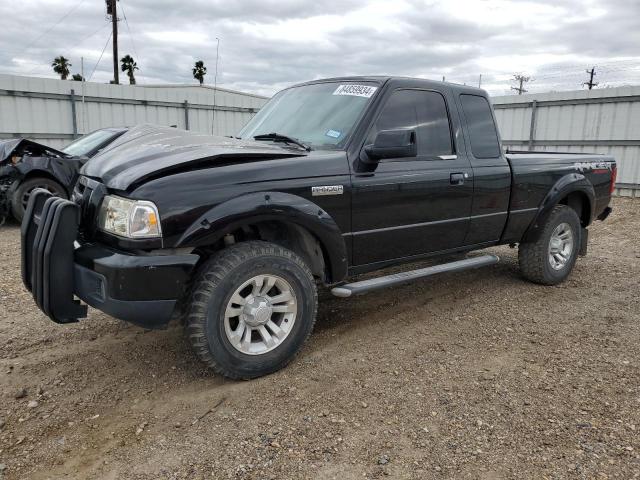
column 482, row 129
column 423, row 111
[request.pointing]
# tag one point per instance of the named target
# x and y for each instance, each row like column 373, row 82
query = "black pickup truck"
column 331, row 179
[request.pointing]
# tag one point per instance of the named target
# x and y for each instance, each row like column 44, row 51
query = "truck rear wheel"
column 251, row 309
column 550, row 259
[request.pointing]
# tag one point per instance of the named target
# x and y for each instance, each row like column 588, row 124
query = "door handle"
column 457, row 178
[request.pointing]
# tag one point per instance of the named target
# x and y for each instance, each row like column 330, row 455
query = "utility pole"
column 591, row 83
column 113, row 11
column 480, row 81
column 84, row 109
column 522, row 80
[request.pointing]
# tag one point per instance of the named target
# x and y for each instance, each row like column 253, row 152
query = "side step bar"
column 364, row 286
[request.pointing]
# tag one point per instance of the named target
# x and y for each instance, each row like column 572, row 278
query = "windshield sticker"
column 365, row 91
column 333, row 133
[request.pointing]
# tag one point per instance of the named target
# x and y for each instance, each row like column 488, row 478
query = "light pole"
column 215, row 86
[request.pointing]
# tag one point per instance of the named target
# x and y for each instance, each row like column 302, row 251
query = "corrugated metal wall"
column 44, row 109
column 599, row 121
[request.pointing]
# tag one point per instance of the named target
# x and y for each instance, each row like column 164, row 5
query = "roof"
column 381, row 79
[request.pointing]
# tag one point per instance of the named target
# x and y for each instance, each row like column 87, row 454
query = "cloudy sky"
column 268, row 44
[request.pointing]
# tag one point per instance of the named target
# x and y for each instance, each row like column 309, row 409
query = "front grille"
column 87, row 194
column 76, row 196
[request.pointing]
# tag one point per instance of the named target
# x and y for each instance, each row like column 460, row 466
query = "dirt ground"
column 471, row 375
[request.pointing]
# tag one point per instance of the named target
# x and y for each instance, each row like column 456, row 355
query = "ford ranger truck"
column 331, row 179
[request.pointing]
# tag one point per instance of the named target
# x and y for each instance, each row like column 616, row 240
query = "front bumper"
column 141, row 289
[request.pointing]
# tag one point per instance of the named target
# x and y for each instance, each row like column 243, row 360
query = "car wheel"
column 21, row 195
column 551, row 258
column 251, row 309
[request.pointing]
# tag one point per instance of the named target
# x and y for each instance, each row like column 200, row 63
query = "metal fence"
column 55, row 112
column 598, row 121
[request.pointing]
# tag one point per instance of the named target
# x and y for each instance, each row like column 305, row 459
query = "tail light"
column 614, row 175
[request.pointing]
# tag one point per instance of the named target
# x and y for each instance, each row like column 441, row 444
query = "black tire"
column 21, row 194
column 216, row 282
column 534, row 257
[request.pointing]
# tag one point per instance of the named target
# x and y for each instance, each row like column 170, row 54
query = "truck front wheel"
column 550, row 259
column 251, row 309
column 23, row 192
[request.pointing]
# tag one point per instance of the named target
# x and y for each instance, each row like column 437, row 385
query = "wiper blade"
column 278, row 137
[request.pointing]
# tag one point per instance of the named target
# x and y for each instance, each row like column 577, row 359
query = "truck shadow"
column 354, row 312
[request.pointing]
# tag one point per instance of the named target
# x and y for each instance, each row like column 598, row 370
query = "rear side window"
column 423, row 111
column 482, row 129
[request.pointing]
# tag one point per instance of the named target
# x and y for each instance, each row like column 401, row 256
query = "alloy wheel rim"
column 260, row 314
column 560, row 246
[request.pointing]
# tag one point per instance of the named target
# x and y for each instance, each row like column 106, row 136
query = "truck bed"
column 533, row 172
column 562, row 157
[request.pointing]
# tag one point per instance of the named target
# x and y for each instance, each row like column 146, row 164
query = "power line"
column 632, row 64
column 135, row 51
column 73, row 9
column 41, row 65
column 104, row 25
column 98, row 62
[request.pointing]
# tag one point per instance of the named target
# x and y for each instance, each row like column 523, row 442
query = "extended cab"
column 332, row 178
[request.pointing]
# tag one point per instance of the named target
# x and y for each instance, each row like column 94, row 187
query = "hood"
column 146, row 151
column 21, row 147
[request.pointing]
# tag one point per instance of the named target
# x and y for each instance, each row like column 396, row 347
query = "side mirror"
column 392, row 144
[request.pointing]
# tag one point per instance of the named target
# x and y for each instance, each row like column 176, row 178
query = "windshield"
column 86, row 144
column 321, row 115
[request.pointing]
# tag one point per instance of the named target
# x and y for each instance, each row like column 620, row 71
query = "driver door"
column 408, row 207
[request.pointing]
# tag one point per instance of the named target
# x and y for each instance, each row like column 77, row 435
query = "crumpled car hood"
column 149, row 151
column 21, row 146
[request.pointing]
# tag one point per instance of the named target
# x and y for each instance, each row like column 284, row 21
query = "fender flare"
column 567, row 184
column 271, row 206
column 61, row 175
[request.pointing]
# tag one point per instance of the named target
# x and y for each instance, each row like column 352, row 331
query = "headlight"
column 129, row 218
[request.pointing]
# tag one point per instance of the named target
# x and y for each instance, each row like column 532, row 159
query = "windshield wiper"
column 278, row 137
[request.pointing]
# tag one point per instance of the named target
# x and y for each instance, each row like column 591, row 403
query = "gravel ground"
column 470, row 375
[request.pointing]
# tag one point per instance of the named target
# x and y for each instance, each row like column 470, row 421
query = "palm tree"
column 61, row 67
column 129, row 65
column 199, row 71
